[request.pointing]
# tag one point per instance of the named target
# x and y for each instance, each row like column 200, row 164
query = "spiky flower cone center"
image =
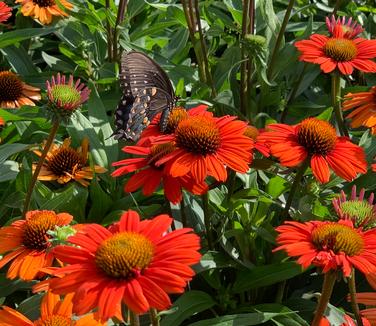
column 65, row 95
column 338, row 238
column 10, row 86
column 64, row 160
column 124, row 255
column 317, row 136
column 177, row 114
column 359, row 210
column 198, row 135
column 55, row 320
column 251, row 132
column 340, row 49
column 35, row 230
column 158, row 151
column 44, row 3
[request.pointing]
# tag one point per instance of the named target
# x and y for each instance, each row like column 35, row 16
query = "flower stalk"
column 209, row 234
column 354, row 304
column 336, row 94
column 295, row 186
column 134, row 319
column 34, row 178
column 279, row 39
column 327, row 289
column 154, row 319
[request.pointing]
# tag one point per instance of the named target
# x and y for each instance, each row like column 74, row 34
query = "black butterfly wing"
column 147, row 90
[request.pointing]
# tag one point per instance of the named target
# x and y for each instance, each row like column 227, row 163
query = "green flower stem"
column 34, row 178
column 336, row 94
column 134, row 319
column 109, row 33
column 354, row 304
column 183, row 215
column 295, row 186
column 154, row 317
column 244, row 65
column 279, row 39
column 119, row 19
column 326, row 293
column 209, row 235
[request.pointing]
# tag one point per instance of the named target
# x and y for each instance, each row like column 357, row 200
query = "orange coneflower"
column 150, row 176
column 176, row 115
column 64, row 164
column 14, row 92
column 5, row 12
column 347, row 321
column 26, row 242
column 343, row 27
column 206, row 145
column 336, row 246
column 364, row 104
column 315, row 140
column 339, row 50
column 54, row 311
column 135, row 262
column 44, row 10
column 368, row 299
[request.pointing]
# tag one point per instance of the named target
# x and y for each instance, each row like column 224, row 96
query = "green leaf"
column 20, row 61
column 276, row 186
column 7, row 150
column 265, row 275
column 19, row 35
column 326, row 115
column 100, row 202
column 8, row 170
column 186, row 306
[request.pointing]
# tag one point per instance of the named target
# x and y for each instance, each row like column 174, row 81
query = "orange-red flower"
column 336, row 246
column 53, row 310
column 341, row 50
column 26, row 243
column 317, row 141
column 135, row 262
column 176, row 115
column 364, row 104
column 368, row 299
column 44, row 10
column 150, row 176
column 5, row 12
column 14, row 92
column 206, row 145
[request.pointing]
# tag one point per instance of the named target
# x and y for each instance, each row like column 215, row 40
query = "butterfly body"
column 147, row 90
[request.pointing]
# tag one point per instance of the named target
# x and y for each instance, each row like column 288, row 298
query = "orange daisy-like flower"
column 364, row 104
column 347, row 321
column 5, row 12
column 64, row 164
column 176, row 115
column 339, row 51
column 206, row 145
column 54, row 312
column 26, row 242
column 336, row 246
column 317, row 141
column 135, row 262
column 369, row 300
column 14, row 92
column 150, row 176
column 44, row 10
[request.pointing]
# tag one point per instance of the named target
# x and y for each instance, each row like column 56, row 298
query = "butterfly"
column 147, row 90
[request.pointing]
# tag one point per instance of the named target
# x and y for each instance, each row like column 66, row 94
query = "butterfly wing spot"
column 153, row 91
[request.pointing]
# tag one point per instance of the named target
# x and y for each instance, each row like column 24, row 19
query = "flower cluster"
column 195, row 145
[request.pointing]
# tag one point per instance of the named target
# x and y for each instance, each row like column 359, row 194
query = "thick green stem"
column 42, row 158
column 109, row 34
column 295, row 186
column 336, row 103
column 293, row 93
column 204, row 51
column 209, row 235
column 327, row 289
column 354, row 304
column 134, row 319
column 244, row 65
column 154, row 317
column 230, row 185
column 183, row 215
column 119, row 19
column 279, row 39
